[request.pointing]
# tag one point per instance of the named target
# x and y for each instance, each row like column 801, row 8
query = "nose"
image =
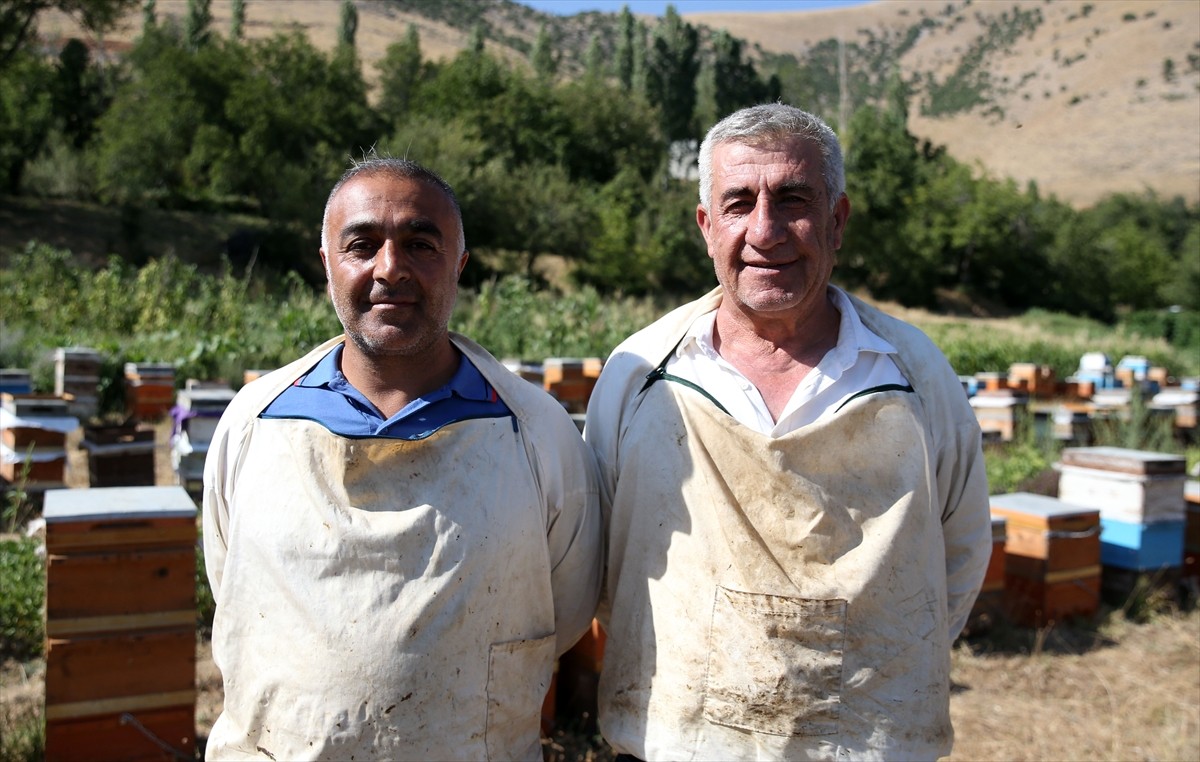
column 389, row 264
column 765, row 228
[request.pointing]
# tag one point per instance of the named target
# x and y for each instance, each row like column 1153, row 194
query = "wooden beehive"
column 120, row 623
column 989, row 604
column 998, row 411
column 33, row 431
column 571, row 381
column 77, row 376
column 1191, row 532
column 149, row 390
column 1052, row 558
column 120, row 455
column 1133, row 486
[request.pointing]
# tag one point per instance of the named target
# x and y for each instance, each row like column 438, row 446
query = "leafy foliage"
column 22, row 578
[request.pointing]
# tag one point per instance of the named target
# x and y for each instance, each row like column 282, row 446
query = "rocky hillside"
column 1085, row 98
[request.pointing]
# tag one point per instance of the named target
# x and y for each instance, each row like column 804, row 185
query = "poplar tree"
column 237, row 19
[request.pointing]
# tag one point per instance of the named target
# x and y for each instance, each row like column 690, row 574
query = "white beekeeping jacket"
column 791, row 597
column 393, row 599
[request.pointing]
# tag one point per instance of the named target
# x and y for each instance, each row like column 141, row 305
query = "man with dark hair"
column 401, row 534
column 793, row 489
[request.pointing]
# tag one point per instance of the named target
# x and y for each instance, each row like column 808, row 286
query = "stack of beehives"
column 1140, row 497
column 77, row 379
column 197, row 410
column 149, row 390
column 1052, row 558
column 33, row 440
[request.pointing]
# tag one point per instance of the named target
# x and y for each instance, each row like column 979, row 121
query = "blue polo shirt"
column 323, row 395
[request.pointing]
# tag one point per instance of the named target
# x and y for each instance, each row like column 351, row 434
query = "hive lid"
column 117, row 503
column 1042, row 506
column 1124, row 460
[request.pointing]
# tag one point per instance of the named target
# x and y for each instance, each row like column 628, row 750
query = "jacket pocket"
column 775, row 663
column 518, row 677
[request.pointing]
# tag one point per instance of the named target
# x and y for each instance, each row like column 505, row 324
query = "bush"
column 22, row 580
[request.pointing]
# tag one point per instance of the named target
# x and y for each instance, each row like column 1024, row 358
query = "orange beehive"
column 120, row 623
column 571, row 381
column 1052, row 558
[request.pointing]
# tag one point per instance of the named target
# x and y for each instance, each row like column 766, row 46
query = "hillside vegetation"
column 1085, row 97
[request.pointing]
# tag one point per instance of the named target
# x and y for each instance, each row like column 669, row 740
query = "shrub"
column 22, row 580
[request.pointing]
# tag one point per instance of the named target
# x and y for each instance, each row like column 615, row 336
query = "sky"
column 658, row 7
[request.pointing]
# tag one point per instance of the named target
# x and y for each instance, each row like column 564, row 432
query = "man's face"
column 770, row 229
column 393, row 260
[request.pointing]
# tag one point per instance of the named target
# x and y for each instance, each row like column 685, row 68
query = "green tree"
column 593, row 60
column 237, row 19
column 625, row 48
column 400, row 74
column 80, row 94
column 17, row 19
column 735, row 81
column 26, row 115
column 149, row 15
column 543, row 58
column 671, row 69
column 198, row 22
column 883, row 167
column 348, row 27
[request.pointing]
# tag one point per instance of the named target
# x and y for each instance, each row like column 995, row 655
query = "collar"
column 467, row 381
column 854, row 338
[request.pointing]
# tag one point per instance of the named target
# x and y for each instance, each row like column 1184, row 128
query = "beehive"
column 1052, row 558
column 120, row 455
column 149, row 390
column 120, row 623
column 571, row 381
column 77, row 377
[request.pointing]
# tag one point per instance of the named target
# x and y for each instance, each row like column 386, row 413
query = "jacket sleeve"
column 215, row 503
column 966, row 517
column 572, row 534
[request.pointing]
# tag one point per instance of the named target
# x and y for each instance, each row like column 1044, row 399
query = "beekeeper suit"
column 391, row 598
column 394, row 585
column 788, row 561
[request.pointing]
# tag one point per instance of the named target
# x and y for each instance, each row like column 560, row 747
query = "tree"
column 237, row 19
column 80, row 96
column 593, row 60
column 348, row 28
column 17, row 19
column 196, row 26
column 545, row 63
column 671, row 68
column 149, row 15
column 736, row 83
column 400, row 74
column 625, row 49
column 26, row 113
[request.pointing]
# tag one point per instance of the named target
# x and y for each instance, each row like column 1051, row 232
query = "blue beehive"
column 1141, row 547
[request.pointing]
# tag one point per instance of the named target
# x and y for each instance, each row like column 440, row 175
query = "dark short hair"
column 372, row 165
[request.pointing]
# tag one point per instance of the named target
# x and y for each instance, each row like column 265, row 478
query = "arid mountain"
column 1083, row 98
column 1083, row 102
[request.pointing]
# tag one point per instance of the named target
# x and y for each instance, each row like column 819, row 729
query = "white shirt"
column 861, row 360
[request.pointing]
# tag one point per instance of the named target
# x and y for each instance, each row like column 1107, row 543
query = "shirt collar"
column 853, row 336
column 467, row 381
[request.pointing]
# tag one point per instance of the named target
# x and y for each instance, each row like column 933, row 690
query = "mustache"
column 401, row 292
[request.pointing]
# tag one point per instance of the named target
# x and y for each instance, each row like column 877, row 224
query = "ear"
column 328, row 275
column 705, row 224
column 841, row 215
column 462, row 263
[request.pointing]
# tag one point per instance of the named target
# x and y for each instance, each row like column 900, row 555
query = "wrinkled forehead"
column 789, row 161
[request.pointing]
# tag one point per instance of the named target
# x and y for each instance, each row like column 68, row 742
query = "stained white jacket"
column 391, row 599
column 792, row 597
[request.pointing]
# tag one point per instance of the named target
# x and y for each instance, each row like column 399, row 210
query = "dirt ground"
column 1112, row 689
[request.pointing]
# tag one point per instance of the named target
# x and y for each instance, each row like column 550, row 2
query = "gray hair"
column 764, row 125
column 399, row 168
